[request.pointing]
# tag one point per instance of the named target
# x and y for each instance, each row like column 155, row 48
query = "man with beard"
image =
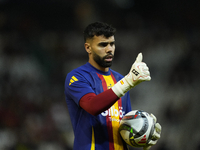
column 97, row 97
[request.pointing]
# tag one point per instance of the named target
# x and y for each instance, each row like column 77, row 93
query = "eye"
column 112, row 43
column 103, row 44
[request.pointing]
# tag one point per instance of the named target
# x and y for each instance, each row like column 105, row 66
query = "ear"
column 87, row 48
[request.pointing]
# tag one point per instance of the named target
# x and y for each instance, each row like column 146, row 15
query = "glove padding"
column 139, row 72
column 155, row 136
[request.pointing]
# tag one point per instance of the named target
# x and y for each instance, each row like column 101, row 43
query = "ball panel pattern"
column 136, row 128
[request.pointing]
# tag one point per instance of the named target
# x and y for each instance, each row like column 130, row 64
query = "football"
column 136, row 128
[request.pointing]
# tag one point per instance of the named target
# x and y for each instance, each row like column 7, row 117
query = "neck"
column 94, row 64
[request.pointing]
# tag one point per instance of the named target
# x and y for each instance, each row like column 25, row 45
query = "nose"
column 110, row 48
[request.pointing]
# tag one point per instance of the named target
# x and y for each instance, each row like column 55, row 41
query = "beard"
column 101, row 60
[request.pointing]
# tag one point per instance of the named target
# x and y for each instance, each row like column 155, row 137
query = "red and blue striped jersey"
column 95, row 132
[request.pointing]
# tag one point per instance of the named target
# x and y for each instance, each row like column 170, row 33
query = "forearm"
column 95, row 104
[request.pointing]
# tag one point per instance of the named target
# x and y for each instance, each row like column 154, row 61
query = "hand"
column 155, row 136
column 139, row 72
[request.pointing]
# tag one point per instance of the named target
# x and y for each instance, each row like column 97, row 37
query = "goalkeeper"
column 97, row 96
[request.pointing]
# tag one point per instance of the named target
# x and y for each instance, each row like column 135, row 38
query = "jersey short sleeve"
column 77, row 86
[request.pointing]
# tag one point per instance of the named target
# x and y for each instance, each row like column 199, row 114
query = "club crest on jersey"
column 109, row 86
column 72, row 80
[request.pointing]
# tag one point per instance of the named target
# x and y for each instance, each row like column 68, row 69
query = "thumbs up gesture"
column 139, row 72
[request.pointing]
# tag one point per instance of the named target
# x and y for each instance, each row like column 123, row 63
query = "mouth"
column 108, row 58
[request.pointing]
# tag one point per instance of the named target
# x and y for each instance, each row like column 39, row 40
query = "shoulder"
column 83, row 73
column 79, row 72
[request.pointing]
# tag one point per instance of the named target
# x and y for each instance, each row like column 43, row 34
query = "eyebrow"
column 101, row 43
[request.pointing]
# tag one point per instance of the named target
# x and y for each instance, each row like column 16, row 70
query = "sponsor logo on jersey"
column 72, row 80
column 114, row 112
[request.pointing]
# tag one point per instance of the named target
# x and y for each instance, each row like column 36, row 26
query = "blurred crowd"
column 41, row 42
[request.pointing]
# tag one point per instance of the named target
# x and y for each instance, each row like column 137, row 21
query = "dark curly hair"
column 98, row 28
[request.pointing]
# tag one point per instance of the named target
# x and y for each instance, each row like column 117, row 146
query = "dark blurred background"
column 42, row 40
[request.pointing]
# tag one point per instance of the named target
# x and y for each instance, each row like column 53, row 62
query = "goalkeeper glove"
column 155, row 136
column 139, row 72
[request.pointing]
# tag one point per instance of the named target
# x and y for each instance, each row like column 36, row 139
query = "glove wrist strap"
column 121, row 87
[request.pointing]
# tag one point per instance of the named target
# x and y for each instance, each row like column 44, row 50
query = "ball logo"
column 143, row 140
column 128, row 117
